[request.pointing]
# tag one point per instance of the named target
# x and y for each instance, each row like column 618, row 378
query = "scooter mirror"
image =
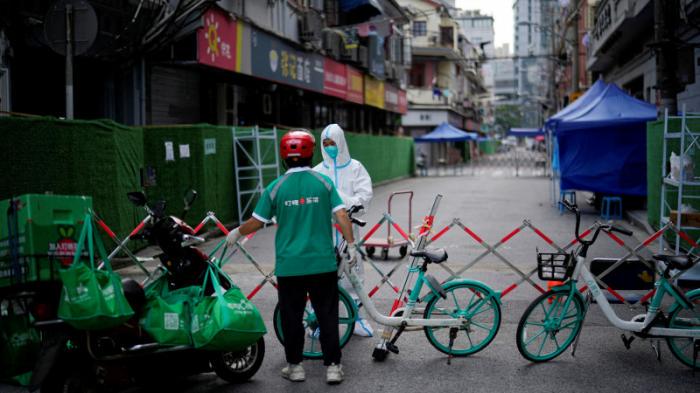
column 189, row 198
column 137, row 198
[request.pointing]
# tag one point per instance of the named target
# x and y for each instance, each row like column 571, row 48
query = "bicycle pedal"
column 627, row 341
column 392, row 348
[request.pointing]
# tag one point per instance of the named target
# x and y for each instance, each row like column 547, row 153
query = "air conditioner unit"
column 332, row 44
column 363, row 56
column 350, row 54
column 311, row 26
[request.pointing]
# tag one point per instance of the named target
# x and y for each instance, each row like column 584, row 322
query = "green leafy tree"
column 507, row 117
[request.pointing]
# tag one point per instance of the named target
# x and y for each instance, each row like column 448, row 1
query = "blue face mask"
column 331, row 150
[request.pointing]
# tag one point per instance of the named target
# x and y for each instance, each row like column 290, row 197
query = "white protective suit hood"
column 349, row 176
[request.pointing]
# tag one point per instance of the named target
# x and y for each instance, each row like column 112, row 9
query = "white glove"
column 352, row 254
column 233, row 237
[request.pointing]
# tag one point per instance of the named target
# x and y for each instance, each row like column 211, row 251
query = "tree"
column 507, row 117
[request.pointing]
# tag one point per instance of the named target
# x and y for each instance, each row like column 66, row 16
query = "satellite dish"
column 84, row 26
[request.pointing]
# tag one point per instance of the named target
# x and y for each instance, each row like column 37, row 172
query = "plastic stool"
column 611, row 209
column 567, row 195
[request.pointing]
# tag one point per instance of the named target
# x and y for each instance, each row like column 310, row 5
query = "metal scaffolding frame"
column 689, row 143
column 252, row 164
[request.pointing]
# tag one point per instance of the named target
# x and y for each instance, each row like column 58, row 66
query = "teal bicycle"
column 459, row 317
column 553, row 321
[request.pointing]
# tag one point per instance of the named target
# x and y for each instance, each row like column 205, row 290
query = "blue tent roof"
column 447, row 133
column 602, row 144
column 612, row 106
column 591, row 94
column 525, row 132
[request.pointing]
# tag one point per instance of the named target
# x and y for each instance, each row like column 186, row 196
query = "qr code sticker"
column 171, row 321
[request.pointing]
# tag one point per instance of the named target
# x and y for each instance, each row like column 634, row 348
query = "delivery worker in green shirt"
column 304, row 202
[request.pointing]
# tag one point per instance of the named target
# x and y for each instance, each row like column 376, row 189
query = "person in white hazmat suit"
column 355, row 188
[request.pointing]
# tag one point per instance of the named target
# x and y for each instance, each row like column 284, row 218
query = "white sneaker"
column 363, row 328
column 294, row 372
column 334, row 374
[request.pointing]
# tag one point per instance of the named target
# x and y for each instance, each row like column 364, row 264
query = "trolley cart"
column 388, row 242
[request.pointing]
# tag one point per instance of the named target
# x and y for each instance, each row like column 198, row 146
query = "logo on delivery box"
column 64, row 248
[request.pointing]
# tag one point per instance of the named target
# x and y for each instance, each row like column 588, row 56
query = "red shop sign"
column 335, row 81
column 216, row 40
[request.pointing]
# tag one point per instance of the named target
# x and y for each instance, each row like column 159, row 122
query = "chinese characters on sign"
column 301, row 201
column 374, row 92
column 216, row 41
column 355, row 88
column 335, row 81
column 279, row 62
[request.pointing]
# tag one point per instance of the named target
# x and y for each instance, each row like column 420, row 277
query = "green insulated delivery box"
column 38, row 235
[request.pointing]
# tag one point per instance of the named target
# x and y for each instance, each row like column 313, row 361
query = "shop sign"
column 216, row 40
column 374, row 92
column 403, row 102
column 391, row 97
column 335, row 81
column 355, row 91
column 277, row 61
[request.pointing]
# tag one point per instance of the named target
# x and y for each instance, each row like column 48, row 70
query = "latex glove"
column 352, row 254
column 233, row 237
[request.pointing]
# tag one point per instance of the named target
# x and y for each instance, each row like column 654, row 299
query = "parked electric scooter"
column 86, row 361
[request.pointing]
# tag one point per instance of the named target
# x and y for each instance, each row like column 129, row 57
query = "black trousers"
column 322, row 290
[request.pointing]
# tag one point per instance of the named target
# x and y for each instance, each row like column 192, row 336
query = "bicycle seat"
column 432, row 256
column 680, row 262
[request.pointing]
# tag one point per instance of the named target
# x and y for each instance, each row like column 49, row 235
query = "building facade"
column 479, row 31
column 293, row 63
column 624, row 49
column 535, row 32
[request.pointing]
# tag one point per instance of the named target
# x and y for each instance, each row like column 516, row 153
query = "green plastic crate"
column 48, row 230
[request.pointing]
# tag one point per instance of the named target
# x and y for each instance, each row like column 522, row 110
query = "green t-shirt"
column 303, row 202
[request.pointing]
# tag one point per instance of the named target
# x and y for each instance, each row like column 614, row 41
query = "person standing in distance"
column 355, row 187
column 304, row 202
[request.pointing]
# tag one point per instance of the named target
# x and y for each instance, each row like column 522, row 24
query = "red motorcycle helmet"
column 297, row 143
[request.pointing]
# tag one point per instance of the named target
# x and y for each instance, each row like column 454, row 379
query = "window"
column 419, row 28
column 446, row 36
column 417, row 75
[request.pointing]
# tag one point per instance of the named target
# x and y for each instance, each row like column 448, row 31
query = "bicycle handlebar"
column 600, row 227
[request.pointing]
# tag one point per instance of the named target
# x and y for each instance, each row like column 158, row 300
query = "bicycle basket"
column 554, row 266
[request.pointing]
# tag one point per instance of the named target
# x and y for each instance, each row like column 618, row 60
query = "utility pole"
column 575, row 49
column 666, row 18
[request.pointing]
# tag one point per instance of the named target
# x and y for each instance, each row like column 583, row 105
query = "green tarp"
column 97, row 158
column 106, row 160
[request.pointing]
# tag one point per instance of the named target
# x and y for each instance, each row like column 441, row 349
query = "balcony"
column 436, row 45
column 619, row 24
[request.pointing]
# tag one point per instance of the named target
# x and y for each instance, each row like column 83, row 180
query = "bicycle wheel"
column 472, row 302
column 312, row 345
column 682, row 347
column 545, row 330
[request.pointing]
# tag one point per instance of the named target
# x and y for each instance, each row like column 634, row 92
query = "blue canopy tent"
column 589, row 96
column 602, row 144
column 525, row 132
column 444, row 133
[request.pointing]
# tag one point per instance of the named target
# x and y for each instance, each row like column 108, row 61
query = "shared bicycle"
column 460, row 317
column 554, row 320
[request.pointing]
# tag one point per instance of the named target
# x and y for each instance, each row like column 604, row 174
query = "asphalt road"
column 491, row 206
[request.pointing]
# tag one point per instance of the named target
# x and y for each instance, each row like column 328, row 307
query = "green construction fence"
column 97, row 158
column 106, row 160
column 655, row 132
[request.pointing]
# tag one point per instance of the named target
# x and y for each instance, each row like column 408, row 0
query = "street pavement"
column 491, row 206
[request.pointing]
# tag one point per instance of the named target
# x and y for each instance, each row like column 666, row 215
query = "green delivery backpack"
column 92, row 298
column 225, row 321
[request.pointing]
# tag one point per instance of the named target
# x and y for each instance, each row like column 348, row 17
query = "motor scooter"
column 81, row 361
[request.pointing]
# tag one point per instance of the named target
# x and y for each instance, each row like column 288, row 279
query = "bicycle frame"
column 662, row 285
column 413, row 298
